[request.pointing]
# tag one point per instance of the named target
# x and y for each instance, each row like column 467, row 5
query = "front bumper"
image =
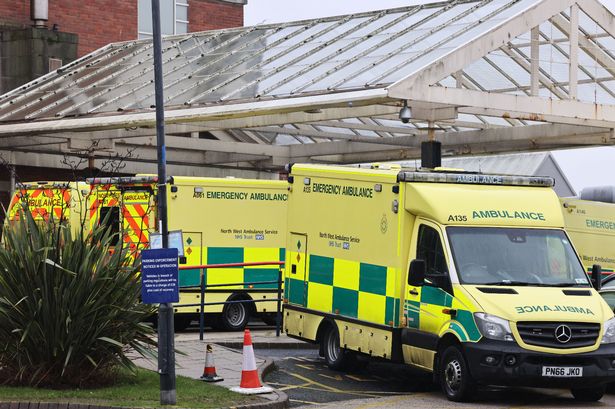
column 597, row 366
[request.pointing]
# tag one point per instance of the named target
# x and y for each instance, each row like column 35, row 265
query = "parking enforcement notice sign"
column 159, row 282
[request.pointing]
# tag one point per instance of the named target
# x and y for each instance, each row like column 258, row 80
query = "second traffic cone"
column 209, row 372
column 250, row 384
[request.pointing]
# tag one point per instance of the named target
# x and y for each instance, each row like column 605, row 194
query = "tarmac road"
column 303, row 375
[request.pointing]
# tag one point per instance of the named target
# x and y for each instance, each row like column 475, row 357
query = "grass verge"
column 134, row 390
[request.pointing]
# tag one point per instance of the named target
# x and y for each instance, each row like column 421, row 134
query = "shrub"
column 69, row 307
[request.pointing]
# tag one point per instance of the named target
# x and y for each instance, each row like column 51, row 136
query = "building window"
column 173, row 17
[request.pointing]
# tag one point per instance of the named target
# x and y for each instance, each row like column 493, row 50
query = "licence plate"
column 562, row 371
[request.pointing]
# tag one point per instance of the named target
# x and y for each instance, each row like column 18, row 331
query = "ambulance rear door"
column 137, row 214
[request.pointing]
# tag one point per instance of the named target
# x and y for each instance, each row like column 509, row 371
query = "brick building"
column 73, row 28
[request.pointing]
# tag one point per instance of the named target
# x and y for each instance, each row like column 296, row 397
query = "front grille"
column 543, row 334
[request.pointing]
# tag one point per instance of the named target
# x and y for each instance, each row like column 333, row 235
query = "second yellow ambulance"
column 216, row 221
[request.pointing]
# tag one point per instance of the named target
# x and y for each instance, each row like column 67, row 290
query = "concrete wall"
column 25, row 54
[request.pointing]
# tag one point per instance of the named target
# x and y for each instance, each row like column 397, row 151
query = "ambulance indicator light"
column 198, row 189
column 475, row 179
column 307, row 181
column 378, row 187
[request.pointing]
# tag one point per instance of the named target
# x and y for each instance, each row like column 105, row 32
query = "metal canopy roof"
column 481, row 76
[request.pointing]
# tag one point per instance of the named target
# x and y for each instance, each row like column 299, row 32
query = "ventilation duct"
column 39, row 11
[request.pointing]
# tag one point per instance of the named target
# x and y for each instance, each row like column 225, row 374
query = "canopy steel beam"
column 521, row 107
column 529, row 135
column 246, row 111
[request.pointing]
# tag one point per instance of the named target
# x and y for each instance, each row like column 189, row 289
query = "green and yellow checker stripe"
column 432, row 301
column 226, row 255
column 348, row 288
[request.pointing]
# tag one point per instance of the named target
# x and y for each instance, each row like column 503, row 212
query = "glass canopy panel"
column 367, row 133
column 281, row 33
column 374, row 24
column 515, row 71
column 412, row 20
column 285, row 139
column 449, row 81
column 469, row 118
column 553, row 63
column 496, row 120
column 488, row 76
column 551, row 32
column 588, row 25
column 608, row 45
column 338, row 130
column 592, row 66
column 596, row 93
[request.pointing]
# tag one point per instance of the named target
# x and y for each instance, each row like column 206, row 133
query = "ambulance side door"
column 427, row 303
column 296, row 260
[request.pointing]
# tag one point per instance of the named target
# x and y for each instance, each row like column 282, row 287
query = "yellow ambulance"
column 59, row 201
column 215, row 221
column 468, row 276
column 591, row 226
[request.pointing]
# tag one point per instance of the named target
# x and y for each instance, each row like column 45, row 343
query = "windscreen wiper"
column 569, row 285
column 526, row 284
column 507, row 282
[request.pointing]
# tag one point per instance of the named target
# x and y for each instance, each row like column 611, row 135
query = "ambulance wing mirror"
column 597, row 276
column 416, row 273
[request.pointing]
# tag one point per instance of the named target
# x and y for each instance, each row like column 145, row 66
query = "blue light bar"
column 475, row 179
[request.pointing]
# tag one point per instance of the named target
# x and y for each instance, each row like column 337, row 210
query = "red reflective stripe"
column 228, row 265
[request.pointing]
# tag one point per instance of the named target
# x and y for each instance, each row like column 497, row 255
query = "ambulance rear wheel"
column 588, row 394
column 455, row 379
column 235, row 316
column 336, row 357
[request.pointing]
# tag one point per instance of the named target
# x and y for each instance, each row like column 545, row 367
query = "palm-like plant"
column 69, row 306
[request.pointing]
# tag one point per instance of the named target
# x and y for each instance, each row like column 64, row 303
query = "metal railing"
column 203, row 288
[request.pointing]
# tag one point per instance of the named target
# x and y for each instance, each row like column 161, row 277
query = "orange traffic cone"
column 209, row 372
column 250, row 384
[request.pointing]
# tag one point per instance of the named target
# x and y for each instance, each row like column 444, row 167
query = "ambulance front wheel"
column 336, row 357
column 455, row 379
column 235, row 316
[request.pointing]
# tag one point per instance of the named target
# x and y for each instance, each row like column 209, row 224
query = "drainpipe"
column 39, row 12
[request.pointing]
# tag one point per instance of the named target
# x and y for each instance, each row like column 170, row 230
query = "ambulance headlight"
column 609, row 332
column 493, row 327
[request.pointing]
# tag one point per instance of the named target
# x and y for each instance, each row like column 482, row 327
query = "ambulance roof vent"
column 604, row 194
column 475, row 179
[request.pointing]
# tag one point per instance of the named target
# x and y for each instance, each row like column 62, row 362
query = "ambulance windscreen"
column 515, row 256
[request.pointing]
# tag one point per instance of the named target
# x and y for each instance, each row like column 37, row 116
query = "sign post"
column 166, row 331
column 160, row 285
